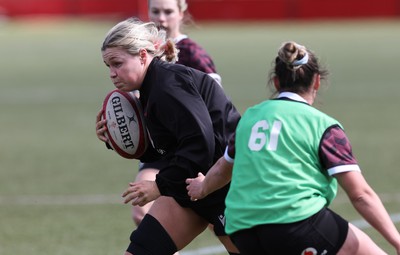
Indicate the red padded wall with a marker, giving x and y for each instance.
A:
(212, 9)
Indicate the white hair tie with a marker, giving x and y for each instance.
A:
(302, 61)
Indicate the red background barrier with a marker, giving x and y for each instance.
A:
(292, 9)
(211, 9)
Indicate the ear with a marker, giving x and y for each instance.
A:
(181, 15)
(143, 54)
(317, 81)
(276, 83)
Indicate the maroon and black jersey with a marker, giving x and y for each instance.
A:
(193, 55)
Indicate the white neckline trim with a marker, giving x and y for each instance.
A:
(292, 96)
(179, 38)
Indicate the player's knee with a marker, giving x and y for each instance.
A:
(137, 218)
(151, 238)
(138, 214)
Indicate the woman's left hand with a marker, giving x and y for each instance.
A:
(140, 193)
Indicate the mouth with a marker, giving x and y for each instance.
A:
(161, 27)
(119, 85)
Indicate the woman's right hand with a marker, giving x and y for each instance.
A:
(195, 187)
(101, 127)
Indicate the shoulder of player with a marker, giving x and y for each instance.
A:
(189, 44)
(173, 74)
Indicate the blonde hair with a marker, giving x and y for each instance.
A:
(182, 5)
(133, 35)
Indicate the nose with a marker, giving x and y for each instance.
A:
(113, 73)
(161, 17)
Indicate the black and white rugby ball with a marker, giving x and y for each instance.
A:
(126, 128)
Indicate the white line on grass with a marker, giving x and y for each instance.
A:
(116, 199)
(61, 200)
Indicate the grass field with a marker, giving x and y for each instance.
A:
(60, 188)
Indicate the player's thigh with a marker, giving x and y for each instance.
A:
(147, 174)
(182, 224)
(357, 242)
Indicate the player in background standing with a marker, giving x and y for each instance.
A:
(173, 16)
(288, 158)
(189, 120)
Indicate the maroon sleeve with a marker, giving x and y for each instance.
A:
(231, 147)
(193, 55)
(335, 149)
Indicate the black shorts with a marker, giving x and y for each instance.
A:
(211, 208)
(322, 233)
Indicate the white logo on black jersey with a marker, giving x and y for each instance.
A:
(222, 219)
(161, 151)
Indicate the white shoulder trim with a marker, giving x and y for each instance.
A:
(216, 77)
(226, 156)
(343, 168)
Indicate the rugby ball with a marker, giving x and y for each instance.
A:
(126, 128)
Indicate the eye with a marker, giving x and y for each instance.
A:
(168, 12)
(155, 11)
(115, 61)
(116, 64)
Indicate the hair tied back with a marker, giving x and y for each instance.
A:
(293, 54)
(301, 61)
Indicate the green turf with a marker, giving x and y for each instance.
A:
(53, 81)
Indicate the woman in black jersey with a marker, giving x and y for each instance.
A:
(189, 120)
(172, 16)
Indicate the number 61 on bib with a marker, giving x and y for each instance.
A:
(259, 134)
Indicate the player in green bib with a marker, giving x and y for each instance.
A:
(288, 160)
(282, 153)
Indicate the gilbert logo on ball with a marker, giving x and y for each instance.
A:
(126, 129)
